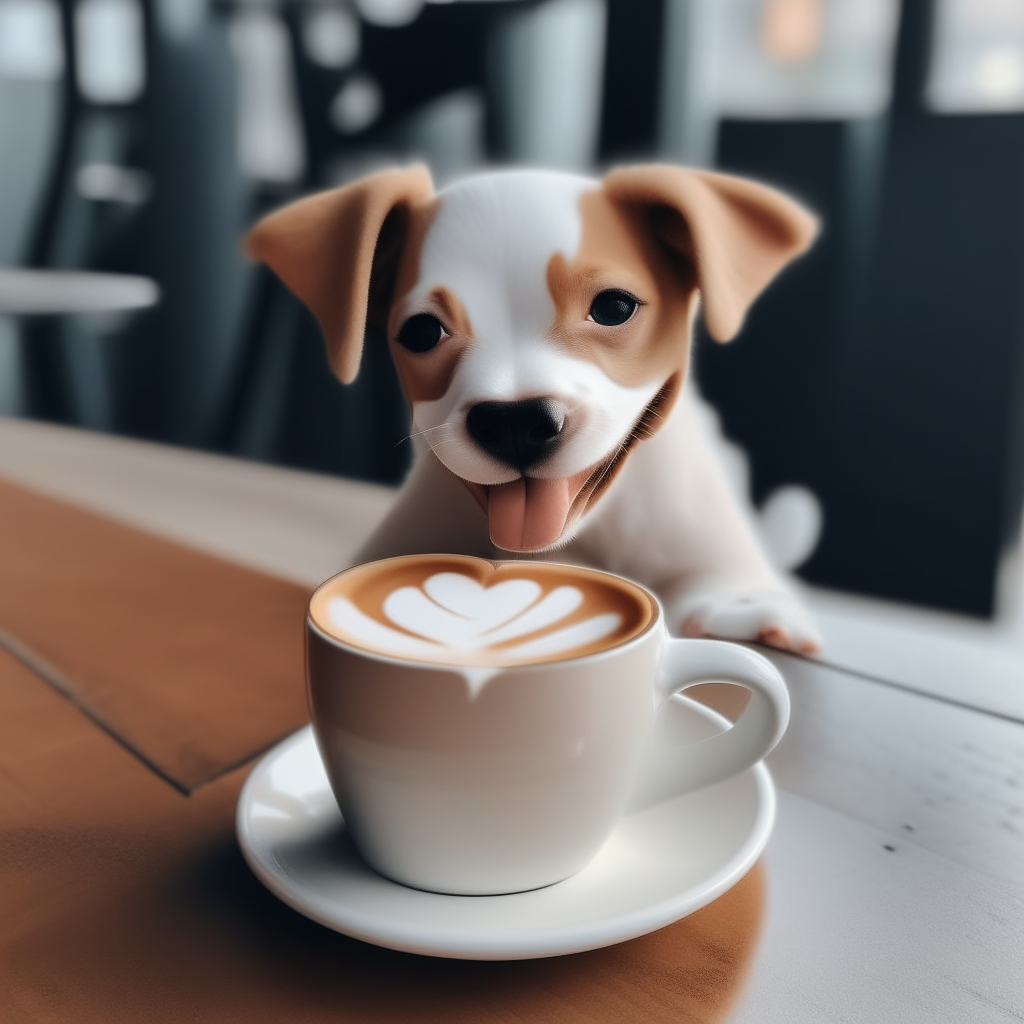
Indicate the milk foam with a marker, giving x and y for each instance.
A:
(455, 616)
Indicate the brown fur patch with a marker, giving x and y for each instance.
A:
(619, 249)
(426, 376)
(604, 476)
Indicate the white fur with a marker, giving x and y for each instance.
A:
(669, 521)
(490, 244)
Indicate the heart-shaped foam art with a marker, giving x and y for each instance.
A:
(455, 610)
(452, 615)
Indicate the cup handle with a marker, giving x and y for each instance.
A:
(679, 769)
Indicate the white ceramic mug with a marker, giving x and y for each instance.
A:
(454, 784)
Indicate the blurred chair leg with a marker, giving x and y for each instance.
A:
(11, 396)
(548, 69)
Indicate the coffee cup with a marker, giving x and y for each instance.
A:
(483, 724)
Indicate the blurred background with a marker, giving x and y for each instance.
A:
(876, 393)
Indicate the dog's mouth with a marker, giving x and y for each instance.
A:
(532, 514)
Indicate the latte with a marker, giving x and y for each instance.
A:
(457, 610)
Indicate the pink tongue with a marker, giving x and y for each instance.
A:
(527, 514)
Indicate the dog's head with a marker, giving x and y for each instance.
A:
(540, 322)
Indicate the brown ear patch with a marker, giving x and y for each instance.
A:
(394, 235)
(398, 256)
(337, 252)
(737, 234)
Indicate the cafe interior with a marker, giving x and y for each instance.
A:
(173, 437)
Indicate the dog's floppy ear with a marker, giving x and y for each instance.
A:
(739, 234)
(338, 250)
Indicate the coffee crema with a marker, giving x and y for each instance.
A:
(460, 610)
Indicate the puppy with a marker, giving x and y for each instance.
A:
(541, 324)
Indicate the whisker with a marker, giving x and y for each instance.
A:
(420, 433)
(425, 430)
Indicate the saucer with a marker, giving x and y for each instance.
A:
(659, 864)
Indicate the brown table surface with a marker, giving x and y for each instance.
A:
(139, 679)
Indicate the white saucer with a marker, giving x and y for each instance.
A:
(658, 866)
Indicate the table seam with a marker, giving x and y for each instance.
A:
(61, 682)
(893, 685)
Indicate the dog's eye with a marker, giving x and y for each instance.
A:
(420, 333)
(612, 307)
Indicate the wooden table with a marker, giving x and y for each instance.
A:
(896, 871)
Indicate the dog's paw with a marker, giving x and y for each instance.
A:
(766, 614)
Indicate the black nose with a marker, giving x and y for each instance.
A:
(516, 433)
